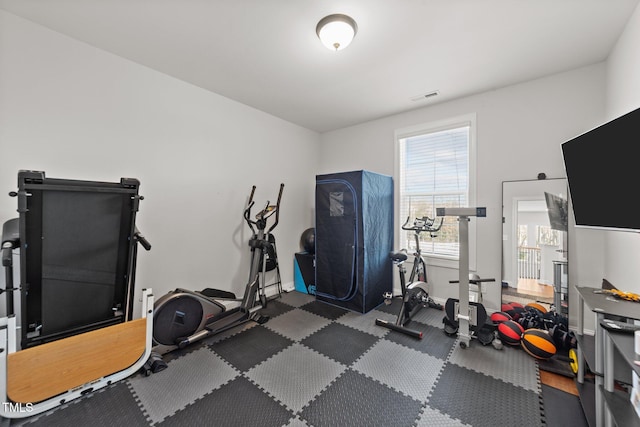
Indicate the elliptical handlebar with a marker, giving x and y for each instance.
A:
(277, 209)
(247, 210)
(251, 202)
(423, 224)
(265, 213)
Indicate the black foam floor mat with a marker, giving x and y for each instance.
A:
(313, 364)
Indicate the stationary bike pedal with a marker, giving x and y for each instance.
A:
(388, 297)
(262, 319)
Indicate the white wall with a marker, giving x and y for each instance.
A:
(623, 95)
(78, 112)
(519, 132)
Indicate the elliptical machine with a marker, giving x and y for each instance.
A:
(415, 295)
(183, 317)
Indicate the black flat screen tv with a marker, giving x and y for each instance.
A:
(603, 173)
(558, 211)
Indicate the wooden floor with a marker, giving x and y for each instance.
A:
(560, 382)
(532, 287)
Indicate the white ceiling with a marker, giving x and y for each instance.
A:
(265, 53)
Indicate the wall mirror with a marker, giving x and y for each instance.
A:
(534, 243)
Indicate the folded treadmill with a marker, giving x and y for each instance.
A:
(68, 328)
(77, 254)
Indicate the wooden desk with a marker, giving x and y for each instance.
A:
(605, 398)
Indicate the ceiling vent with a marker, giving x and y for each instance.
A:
(424, 96)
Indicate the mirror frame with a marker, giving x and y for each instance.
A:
(535, 185)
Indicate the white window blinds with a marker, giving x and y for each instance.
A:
(434, 172)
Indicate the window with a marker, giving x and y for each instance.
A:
(547, 236)
(523, 235)
(434, 166)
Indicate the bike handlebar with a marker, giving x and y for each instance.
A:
(423, 224)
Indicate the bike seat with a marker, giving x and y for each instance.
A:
(398, 256)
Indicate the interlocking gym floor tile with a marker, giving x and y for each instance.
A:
(341, 343)
(313, 365)
(367, 322)
(114, 405)
(180, 352)
(433, 418)
(276, 307)
(426, 315)
(250, 347)
(222, 408)
(393, 308)
(563, 409)
(297, 324)
(185, 380)
(430, 316)
(481, 400)
(296, 299)
(297, 422)
(323, 309)
(220, 336)
(342, 404)
(404, 369)
(295, 375)
(511, 364)
(434, 341)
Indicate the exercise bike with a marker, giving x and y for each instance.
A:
(183, 316)
(415, 295)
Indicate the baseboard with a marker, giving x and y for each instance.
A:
(288, 287)
(272, 291)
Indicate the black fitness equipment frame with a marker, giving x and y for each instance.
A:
(463, 318)
(69, 328)
(415, 294)
(78, 251)
(183, 316)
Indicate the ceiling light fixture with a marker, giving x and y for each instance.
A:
(336, 31)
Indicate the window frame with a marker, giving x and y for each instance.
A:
(431, 127)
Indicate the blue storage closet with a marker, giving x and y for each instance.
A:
(354, 235)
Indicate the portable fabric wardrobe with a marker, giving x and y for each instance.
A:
(354, 236)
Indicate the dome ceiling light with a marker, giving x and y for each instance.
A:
(336, 31)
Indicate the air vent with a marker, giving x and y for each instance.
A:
(424, 96)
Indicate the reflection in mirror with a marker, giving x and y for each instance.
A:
(534, 243)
